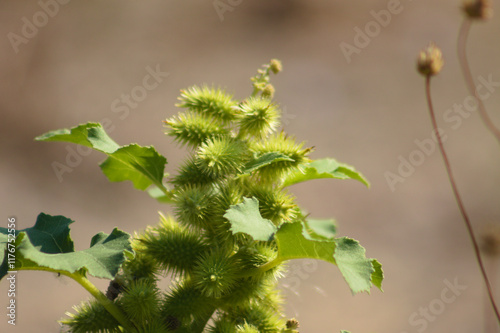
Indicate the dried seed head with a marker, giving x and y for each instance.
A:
(478, 9)
(491, 241)
(430, 60)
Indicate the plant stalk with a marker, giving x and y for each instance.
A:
(459, 199)
(108, 305)
(464, 65)
(261, 269)
(199, 325)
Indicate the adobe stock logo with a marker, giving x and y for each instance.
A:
(225, 6)
(40, 19)
(138, 93)
(425, 315)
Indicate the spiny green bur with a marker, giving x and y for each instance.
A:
(235, 225)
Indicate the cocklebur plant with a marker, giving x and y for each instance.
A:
(234, 227)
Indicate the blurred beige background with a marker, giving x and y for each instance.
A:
(367, 112)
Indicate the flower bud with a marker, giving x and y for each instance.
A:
(430, 60)
(268, 91)
(275, 66)
(292, 324)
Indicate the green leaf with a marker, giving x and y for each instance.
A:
(354, 266)
(295, 242)
(378, 274)
(141, 165)
(48, 246)
(90, 135)
(245, 217)
(50, 234)
(263, 160)
(324, 168)
(156, 193)
(320, 229)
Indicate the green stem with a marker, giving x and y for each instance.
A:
(199, 325)
(469, 81)
(259, 78)
(255, 92)
(459, 199)
(163, 189)
(261, 269)
(112, 308)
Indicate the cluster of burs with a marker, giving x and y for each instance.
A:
(217, 285)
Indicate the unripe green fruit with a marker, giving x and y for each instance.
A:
(222, 156)
(209, 101)
(260, 116)
(141, 267)
(280, 143)
(222, 325)
(193, 129)
(245, 328)
(156, 325)
(193, 206)
(174, 248)
(215, 273)
(184, 301)
(191, 174)
(275, 205)
(257, 315)
(228, 193)
(91, 317)
(141, 300)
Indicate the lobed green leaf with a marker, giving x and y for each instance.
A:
(312, 239)
(324, 168)
(90, 135)
(294, 242)
(354, 266)
(48, 246)
(143, 166)
(321, 228)
(245, 217)
(50, 234)
(378, 274)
